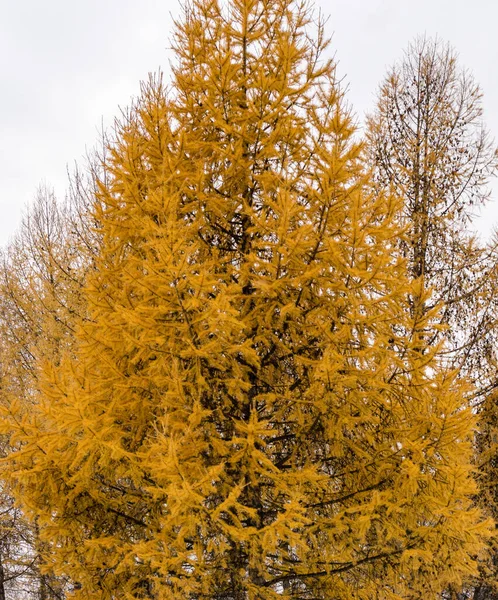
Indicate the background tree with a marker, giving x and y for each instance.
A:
(244, 410)
(41, 275)
(426, 140)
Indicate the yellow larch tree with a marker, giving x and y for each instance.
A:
(249, 409)
(41, 276)
(426, 138)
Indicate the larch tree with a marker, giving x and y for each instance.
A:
(23, 311)
(41, 276)
(426, 140)
(249, 409)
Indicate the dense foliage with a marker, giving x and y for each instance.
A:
(224, 376)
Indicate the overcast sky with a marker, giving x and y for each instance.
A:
(66, 67)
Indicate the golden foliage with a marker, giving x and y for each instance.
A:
(248, 409)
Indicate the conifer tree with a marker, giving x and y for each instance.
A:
(37, 302)
(248, 409)
(41, 276)
(426, 139)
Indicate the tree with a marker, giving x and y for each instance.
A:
(40, 284)
(426, 139)
(248, 407)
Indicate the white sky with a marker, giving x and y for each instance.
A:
(67, 66)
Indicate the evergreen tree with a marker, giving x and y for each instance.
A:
(248, 408)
